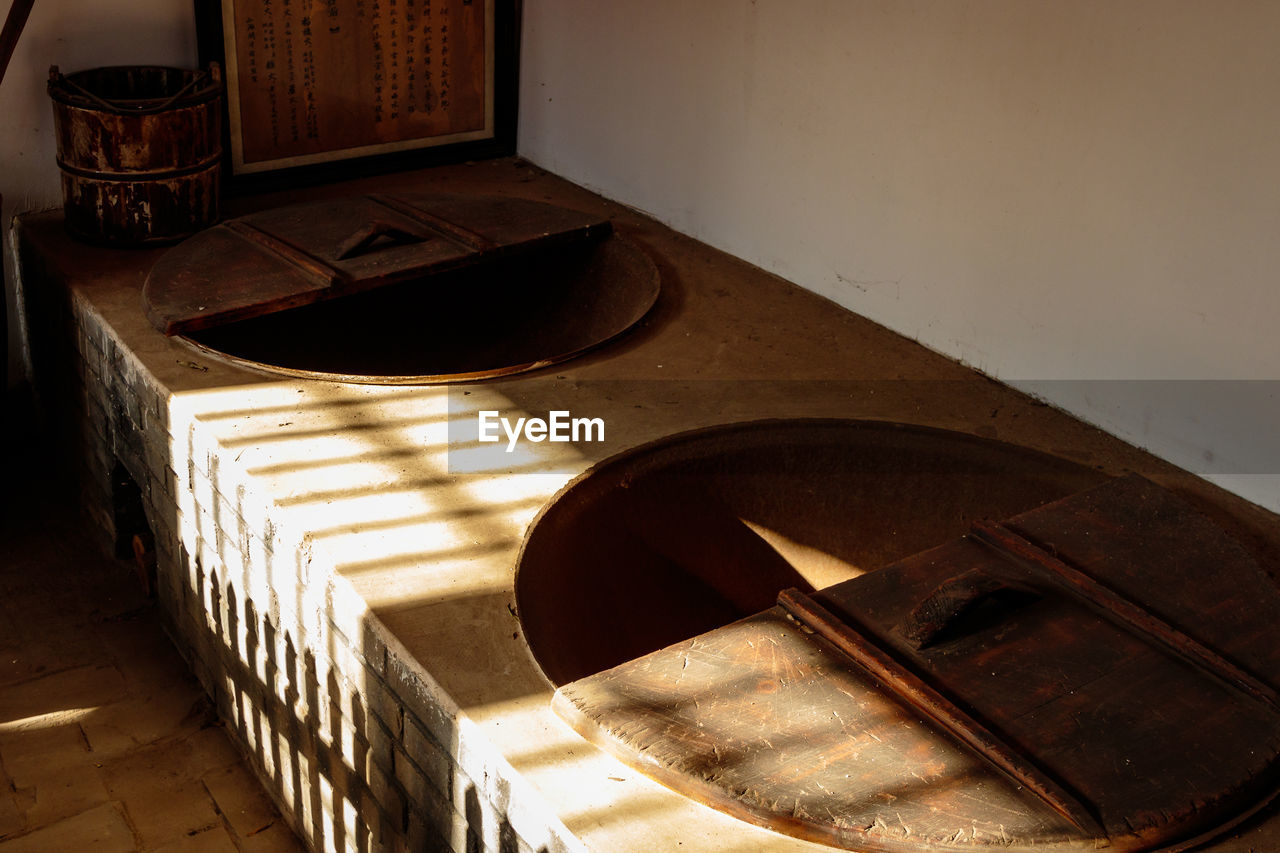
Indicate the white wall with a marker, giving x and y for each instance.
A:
(74, 35)
(1045, 189)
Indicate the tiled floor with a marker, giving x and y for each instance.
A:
(107, 743)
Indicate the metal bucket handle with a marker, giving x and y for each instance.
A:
(214, 70)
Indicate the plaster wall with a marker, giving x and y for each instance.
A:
(1079, 198)
(74, 35)
(1075, 197)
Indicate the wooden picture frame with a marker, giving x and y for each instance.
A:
(330, 89)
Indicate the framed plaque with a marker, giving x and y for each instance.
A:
(339, 87)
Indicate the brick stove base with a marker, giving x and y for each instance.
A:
(361, 750)
(346, 594)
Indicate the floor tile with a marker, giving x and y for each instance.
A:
(107, 742)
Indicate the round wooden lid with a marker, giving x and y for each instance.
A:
(408, 288)
(1095, 673)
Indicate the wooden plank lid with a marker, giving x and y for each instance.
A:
(1095, 673)
(301, 254)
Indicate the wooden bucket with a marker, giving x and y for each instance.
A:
(139, 148)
